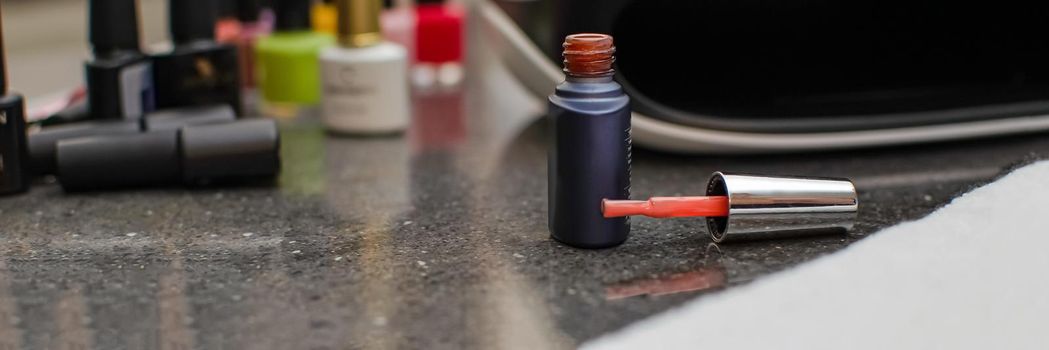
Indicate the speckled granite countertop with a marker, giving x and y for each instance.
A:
(433, 240)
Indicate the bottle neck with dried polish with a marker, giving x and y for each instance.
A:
(589, 58)
(588, 67)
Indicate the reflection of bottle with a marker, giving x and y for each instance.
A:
(438, 122)
(198, 71)
(589, 157)
(287, 59)
(438, 44)
(365, 78)
(13, 151)
(119, 78)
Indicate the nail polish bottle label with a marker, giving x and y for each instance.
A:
(136, 89)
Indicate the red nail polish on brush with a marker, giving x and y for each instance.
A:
(739, 207)
(667, 207)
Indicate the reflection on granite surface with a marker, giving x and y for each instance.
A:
(434, 239)
(692, 281)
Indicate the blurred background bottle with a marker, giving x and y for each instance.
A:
(438, 44)
(240, 25)
(198, 70)
(120, 77)
(287, 70)
(324, 16)
(365, 77)
(398, 24)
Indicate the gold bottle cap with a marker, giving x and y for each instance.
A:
(359, 22)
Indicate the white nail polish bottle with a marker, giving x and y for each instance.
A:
(364, 78)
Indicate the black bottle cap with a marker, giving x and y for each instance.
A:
(242, 149)
(192, 20)
(292, 15)
(42, 144)
(248, 10)
(105, 162)
(113, 26)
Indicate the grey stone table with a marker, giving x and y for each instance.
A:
(435, 239)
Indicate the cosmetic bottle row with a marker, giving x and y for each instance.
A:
(142, 108)
(431, 31)
(239, 52)
(123, 82)
(155, 119)
(352, 61)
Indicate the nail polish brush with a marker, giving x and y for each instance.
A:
(743, 207)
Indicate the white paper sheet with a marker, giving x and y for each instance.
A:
(972, 275)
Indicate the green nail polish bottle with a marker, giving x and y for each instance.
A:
(286, 61)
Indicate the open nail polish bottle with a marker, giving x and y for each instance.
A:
(590, 145)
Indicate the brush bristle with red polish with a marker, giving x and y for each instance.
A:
(667, 207)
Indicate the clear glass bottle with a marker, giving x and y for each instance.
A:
(364, 78)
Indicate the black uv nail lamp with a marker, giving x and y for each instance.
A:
(748, 76)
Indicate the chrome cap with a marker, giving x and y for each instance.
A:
(762, 207)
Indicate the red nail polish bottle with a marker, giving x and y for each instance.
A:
(438, 44)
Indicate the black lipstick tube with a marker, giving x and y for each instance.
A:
(193, 155)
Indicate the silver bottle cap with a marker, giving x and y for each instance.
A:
(762, 207)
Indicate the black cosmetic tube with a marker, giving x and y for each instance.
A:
(193, 155)
(42, 144)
